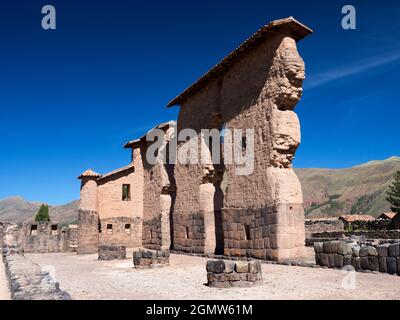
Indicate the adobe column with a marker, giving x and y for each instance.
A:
(88, 217)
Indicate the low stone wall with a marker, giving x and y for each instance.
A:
(368, 234)
(27, 280)
(323, 225)
(145, 258)
(361, 256)
(226, 274)
(112, 252)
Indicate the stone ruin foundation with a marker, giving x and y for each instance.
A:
(145, 258)
(226, 274)
(362, 256)
(111, 252)
(27, 280)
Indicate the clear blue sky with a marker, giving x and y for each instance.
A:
(70, 98)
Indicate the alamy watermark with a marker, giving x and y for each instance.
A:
(207, 147)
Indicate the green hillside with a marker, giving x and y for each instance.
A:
(360, 189)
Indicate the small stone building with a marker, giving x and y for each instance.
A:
(209, 207)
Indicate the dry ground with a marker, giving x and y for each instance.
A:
(4, 291)
(84, 277)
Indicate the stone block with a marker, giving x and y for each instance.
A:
(368, 251)
(394, 250)
(318, 247)
(344, 248)
(338, 261)
(324, 259)
(334, 246)
(373, 263)
(347, 260)
(229, 266)
(383, 250)
(331, 260)
(398, 265)
(242, 267)
(232, 276)
(215, 266)
(364, 263)
(391, 265)
(255, 266)
(355, 262)
(356, 251)
(383, 264)
(326, 246)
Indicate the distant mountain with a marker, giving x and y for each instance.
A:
(17, 209)
(360, 189)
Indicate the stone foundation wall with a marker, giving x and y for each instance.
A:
(145, 258)
(189, 232)
(88, 232)
(112, 252)
(384, 258)
(265, 233)
(226, 274)
(27, 280)
(121, 231)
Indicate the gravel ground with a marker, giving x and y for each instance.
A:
(84, 277)
(4, 291)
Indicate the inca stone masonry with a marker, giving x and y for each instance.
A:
(202, 208)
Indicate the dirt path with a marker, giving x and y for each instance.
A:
(4, 291)
(84, 277)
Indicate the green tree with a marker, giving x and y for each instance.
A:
(394, 193)
(43, 214)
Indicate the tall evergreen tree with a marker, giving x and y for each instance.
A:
(394, 193)
(43, 214)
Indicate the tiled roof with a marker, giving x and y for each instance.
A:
(288, 26)
(387, 215)
(89, 174)
(356, 217)
(130, 166)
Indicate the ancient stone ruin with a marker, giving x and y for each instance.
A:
(226, 274)
(145, 258)
(111, 252)
(360, 255)
(211, 208)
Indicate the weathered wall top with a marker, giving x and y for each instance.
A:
(288, 26)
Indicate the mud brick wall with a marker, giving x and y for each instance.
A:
(88, 232)
(109, 252)
(226, 274)
(384, 258)
(121, 231)
(158, 196)
(145, 258)
(259, 92)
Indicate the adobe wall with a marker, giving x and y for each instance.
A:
(125, 217)
(259, 92)
(158, 201)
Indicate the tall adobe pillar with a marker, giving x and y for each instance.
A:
(88, 217)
